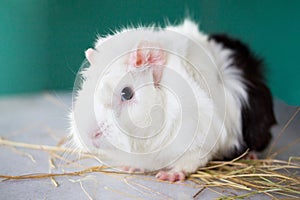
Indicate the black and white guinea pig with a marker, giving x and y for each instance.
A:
(170, 99)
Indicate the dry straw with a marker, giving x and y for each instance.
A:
(261, 176)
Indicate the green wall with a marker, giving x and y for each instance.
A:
(23, 46)
(42, 41)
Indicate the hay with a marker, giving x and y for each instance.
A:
(262, 176)
(268, 176)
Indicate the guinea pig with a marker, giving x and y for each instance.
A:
(170, 100)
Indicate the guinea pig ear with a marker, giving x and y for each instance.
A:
(90, 55)
(149, 54)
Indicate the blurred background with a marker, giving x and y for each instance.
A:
(42, 42)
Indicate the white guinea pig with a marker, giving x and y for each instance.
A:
(170, 99)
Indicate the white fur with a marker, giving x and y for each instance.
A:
(218, 107)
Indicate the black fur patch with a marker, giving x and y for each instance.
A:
(258, 116)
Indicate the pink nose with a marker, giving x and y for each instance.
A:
(95, 139)
(97, 135)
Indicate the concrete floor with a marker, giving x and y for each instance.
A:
(42, 119)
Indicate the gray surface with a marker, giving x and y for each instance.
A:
(42, 119)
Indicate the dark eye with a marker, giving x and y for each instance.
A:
(126, 94)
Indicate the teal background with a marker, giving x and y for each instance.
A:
(42, 41)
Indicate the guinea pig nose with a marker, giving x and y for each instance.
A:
(97, 135)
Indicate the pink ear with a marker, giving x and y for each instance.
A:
(149, 54)
(89, 54)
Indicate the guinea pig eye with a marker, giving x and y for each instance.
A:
(126, 94)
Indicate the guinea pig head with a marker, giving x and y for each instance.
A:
(129, 102)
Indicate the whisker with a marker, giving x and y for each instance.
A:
(283, 130)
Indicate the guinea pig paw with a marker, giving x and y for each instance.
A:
(171, 176)
(252, 155)
(132, 170)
